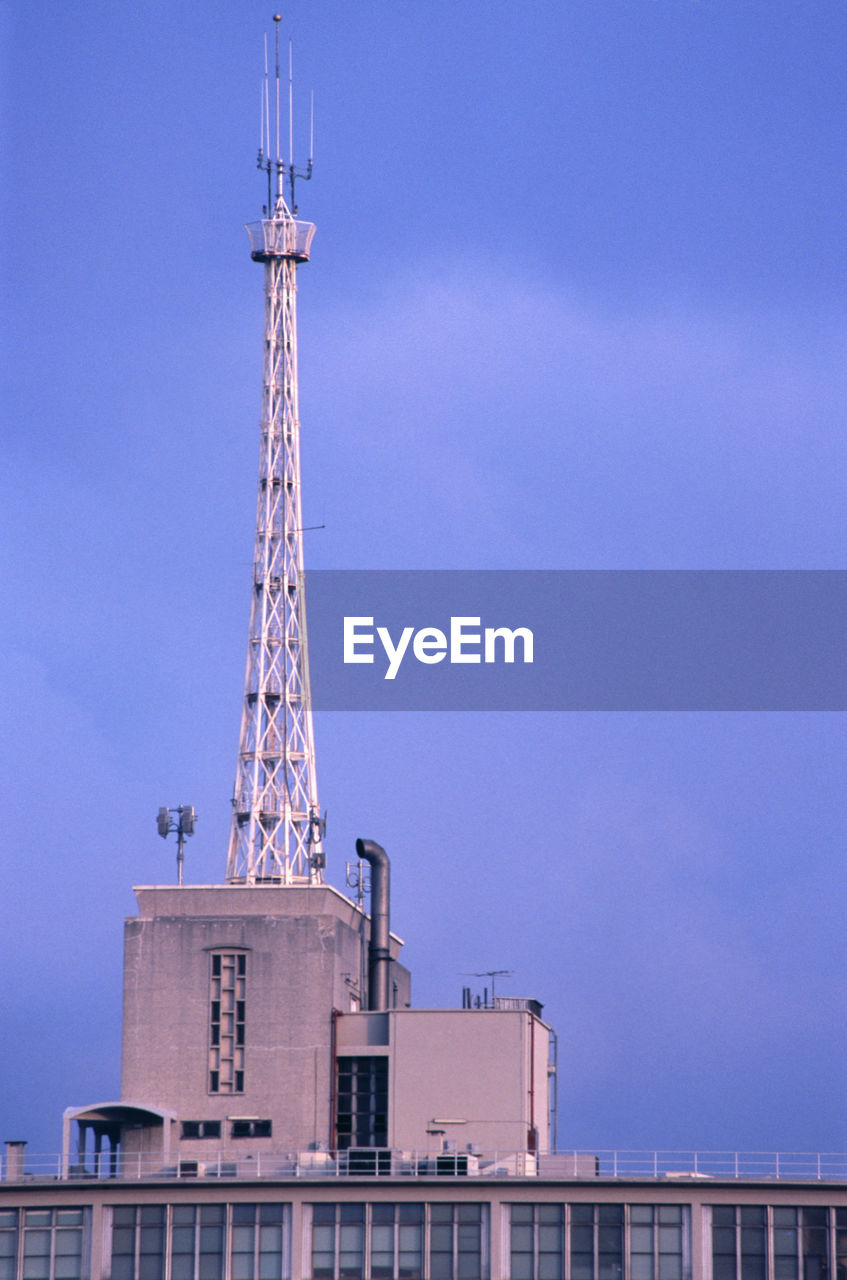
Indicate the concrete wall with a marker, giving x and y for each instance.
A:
(303, 948)
(473, 1077)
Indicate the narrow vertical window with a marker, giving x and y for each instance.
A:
(151, 1242)
(123, 1242)
(441, 1251)
(610, 1241)
(362, 1107)
(210, 1255)
(351, 1242)
(227, 1021)
(582, 1242)
(183, 1241)
(785, 1244)
(840, 1244)
(323, 1241)
(815, 1243)
(739, 1242)
(642, 1243)
(67, 1245)
(522, 1241)
(8, 1243)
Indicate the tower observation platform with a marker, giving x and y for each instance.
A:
(280, 238)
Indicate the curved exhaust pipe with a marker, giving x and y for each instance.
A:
(379, 956)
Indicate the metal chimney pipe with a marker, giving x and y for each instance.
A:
(379, 956)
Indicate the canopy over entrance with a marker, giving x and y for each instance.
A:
(101, 1122)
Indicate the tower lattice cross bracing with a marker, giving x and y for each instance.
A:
(276, 826)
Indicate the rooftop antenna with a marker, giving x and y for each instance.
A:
(264, 160)
(290, 105)
(182, 820)
(277, 828)
(279, 170)
(493, 974)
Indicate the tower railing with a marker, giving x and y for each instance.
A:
(280, 238)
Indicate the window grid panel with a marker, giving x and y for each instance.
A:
(599, 1242)
(385, 1241)
(201, 1242)
(227, 1021)
(44, 1244)
(362, 1102)
(778, 1242)
(840, 1243)
(815, 1235)
(8, 1244)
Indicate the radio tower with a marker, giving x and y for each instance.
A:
(276, 825)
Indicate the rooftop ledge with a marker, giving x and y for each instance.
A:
(669, 1166)
(250, 899)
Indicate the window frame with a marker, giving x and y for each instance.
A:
(594, 1221)
(17, 1230)
(361, 1214)
(227, 1032)
(834, 1227)
(233, 1218)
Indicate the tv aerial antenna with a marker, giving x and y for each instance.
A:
(270, 159)
(493, 974)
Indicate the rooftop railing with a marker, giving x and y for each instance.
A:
(381, 1163)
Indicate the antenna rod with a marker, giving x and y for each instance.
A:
(291, 106)
(279, 191)
(266, 129)
(267, 104)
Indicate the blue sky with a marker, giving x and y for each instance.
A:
(576, 301)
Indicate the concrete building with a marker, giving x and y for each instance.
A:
(272, 1126)
(250, 1028)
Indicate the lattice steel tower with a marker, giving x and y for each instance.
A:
(276, 826)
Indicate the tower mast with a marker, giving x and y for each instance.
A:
(276, 827)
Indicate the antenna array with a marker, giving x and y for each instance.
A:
(270, 159)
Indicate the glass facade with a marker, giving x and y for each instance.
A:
(419, 1239)
(599, 1242)
(386, 1241)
